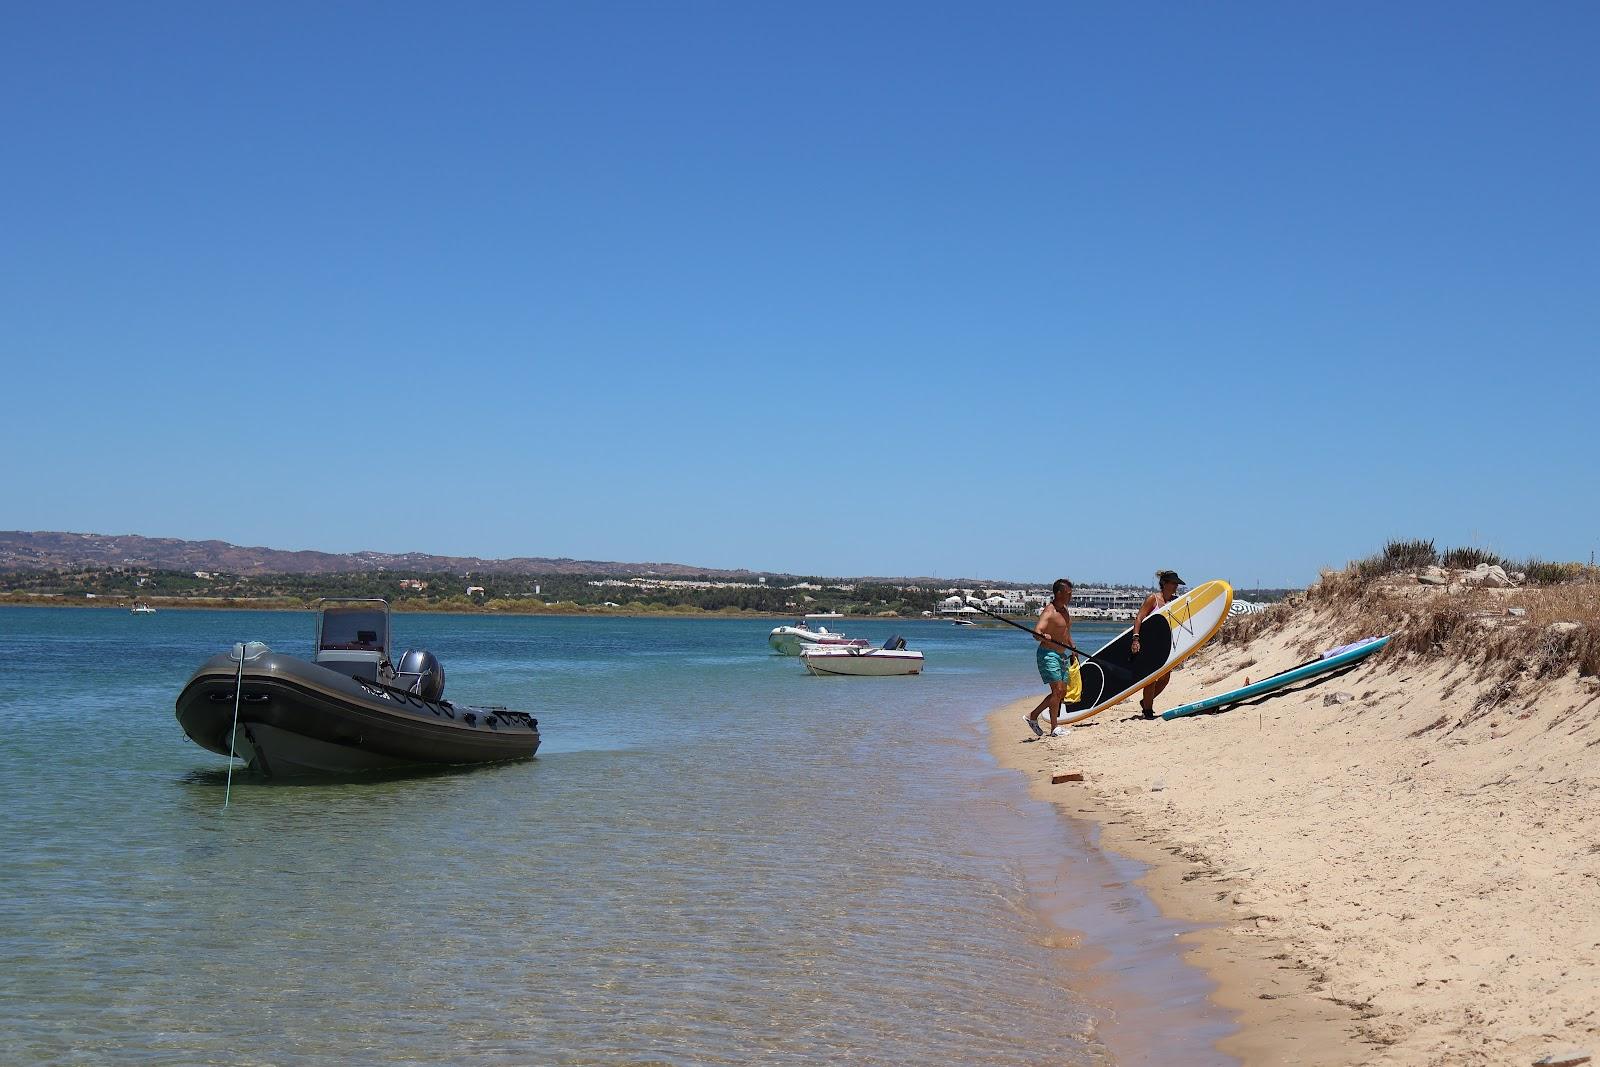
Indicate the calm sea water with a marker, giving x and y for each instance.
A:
(714, 859)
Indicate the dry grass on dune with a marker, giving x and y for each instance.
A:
(1243, 629)
(1565, 621)
(1539, 629)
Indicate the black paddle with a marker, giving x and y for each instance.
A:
(1051, 641)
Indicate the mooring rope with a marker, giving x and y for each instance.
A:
(238, 691)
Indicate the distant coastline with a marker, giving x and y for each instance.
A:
(94, 570)
(409, 608)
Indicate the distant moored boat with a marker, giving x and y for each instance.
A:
(892, 659)
(793, 640)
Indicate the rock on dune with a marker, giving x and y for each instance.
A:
(1493, 576)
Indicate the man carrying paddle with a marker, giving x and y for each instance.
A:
(1058, 666)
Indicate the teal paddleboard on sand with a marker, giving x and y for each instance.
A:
(1328, 661)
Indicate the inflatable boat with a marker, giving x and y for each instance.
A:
(794, 640)
(348, 709)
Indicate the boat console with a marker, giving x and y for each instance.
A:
(353, 639)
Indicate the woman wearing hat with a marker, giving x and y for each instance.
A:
(1168, 582)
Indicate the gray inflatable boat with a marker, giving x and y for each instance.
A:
(348, 710)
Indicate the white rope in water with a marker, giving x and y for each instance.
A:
(238, 691)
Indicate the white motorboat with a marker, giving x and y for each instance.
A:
(893, 658)
(793, 640)
(140, 608)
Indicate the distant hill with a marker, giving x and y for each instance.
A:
(50, 550)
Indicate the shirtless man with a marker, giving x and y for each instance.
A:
(1055, 662)
(1169, 582)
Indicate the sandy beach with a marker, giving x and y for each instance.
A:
(1398, 865)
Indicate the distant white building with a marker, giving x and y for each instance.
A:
(957, 605)
(1109, 599)
(475, 590)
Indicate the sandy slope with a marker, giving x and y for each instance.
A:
(1407, 878)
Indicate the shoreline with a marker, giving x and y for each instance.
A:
(1275, 1019)
(161, 605)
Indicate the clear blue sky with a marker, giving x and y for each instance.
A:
(996, 290)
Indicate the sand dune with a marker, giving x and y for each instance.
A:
(1409, 877)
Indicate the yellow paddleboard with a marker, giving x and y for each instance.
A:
(1166, 638)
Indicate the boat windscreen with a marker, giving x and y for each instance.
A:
(354, 629)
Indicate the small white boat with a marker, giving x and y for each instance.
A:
(893, 658)
(141, 609)
(793, 640)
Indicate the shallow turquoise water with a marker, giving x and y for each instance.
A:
(714, 859)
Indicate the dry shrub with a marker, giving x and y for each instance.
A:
(1397, 556)
(1243, 629)
(1566, 621)
(1560, 632)
(1464, 559)
(1434, 626)
(1362, 608)
(1543, 572)
(1336, 586)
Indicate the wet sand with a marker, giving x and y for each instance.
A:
(1253, 1008)
(1151, 1005)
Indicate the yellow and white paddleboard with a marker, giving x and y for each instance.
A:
(1166, 638)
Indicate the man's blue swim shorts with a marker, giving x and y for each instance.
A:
(1053, 666)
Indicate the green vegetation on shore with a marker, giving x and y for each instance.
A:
(564, 594)
(493, 593)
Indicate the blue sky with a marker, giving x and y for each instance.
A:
(1006, 291)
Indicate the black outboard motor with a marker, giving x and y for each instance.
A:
(425, 667)
(894, 644)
